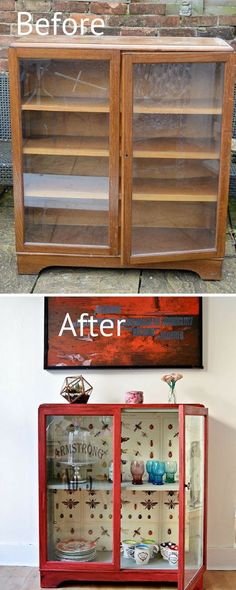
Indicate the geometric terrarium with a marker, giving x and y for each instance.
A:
(76, 390)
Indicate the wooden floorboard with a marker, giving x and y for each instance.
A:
(27, 578)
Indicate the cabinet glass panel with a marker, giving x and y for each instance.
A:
(65, 118)
(150, 489)
(79, 493)
(177, 110)
(194, 496)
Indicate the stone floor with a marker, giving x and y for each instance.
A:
(80, 280)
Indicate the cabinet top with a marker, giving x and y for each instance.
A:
(125, 43)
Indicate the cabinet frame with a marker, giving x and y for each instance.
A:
(54, 572)
(123, 52)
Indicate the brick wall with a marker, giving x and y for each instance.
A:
(133, 17)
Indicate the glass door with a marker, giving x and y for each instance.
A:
(150, 491)
(195, 484)
(171, 155)
(70, 130)
(80, 490)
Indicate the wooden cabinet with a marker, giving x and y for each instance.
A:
(121, 175)
(88, 495)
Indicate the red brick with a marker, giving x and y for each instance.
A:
(108, 7)
(223, 32)
(153, 20)
(5, 41)
(64, 6)
(7, 5)
(202, 21)
(33, 5)
(139, 31)
(5, 29)
(89, 17)
(184, 32)
(8, 17)
(147, 8)
(3, 65)
(227, 20)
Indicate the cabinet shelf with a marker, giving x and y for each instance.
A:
(192, 107)
(195, 189)
(175, 148)
(64, 191)
(126, 485)
(69, 105)
(71, 146)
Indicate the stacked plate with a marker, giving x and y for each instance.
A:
(76, 550)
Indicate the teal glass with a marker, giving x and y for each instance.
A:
(170, 470)
(149, 467)
(158, 471)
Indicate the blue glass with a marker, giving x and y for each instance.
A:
(158, 471)
(149, 467)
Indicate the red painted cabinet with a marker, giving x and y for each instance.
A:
(93, 518)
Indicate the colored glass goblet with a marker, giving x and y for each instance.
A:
(137, 470)
(170, 469)
(158, 472)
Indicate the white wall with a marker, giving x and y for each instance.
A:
(24, 385)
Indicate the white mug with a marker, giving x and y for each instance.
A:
(142, 554)
(154, 548)
(128, 548)
(173, 557)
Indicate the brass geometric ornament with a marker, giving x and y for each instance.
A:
(76, 390)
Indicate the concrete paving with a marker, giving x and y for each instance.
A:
(80, 280)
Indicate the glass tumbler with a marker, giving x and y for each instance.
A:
(170, 469)
(137, 470)
(158, 471)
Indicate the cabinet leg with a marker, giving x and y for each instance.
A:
(199, 585)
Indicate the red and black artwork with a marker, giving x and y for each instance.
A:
(123, 331)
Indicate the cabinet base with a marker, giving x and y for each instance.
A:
(30, 263)
(52, 579)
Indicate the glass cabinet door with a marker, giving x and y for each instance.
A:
(173, 141)
(150, 490)
(69, 180)
(195, 490)
(79, 456)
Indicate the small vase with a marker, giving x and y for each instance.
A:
(137, 470)
(172, 396)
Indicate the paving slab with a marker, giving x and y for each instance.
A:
(10, 281)
(87, 281)
(7, 230)
(160, 282)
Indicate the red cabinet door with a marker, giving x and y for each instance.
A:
(193, 494)
(79, 505)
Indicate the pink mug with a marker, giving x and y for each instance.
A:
(134, 397)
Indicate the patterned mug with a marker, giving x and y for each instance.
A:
(128, 547)
(142, 554)
(154, 548)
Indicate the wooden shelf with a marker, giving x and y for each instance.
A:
(67, 145)
(192, 107)
(195, 189)
(73, 105)
(164, 240)
(175, 148)
(50, 190)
